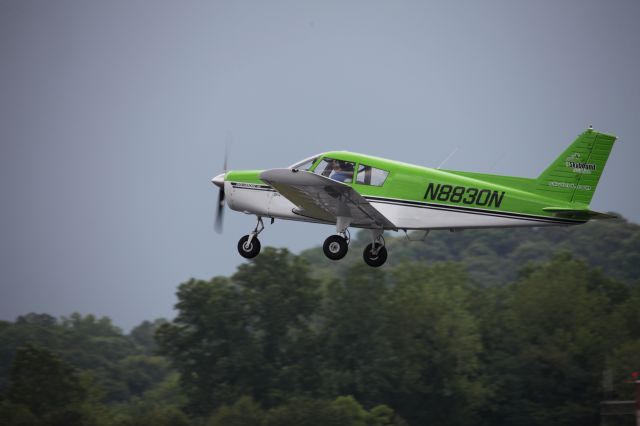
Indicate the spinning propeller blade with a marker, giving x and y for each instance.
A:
(219, 182)
(220, 211)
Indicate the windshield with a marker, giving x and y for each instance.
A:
(304, 164)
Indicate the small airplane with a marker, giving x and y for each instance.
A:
(347, 189)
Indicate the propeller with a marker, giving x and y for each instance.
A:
(219, 182)
(219, 211)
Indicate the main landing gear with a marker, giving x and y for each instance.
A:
(249, 245)
(336, 246)
(375, 253)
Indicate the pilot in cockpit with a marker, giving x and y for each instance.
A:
(342, 171)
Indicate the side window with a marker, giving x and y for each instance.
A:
(339, 170)
(368, 175)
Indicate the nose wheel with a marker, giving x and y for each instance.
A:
(249, 245)
(335, 247)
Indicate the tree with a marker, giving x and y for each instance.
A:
(309, 412)
(436, 370)
(141, 372)
(144, 335)
(156, 416)
(245, 412)
(16, 415)
(210, 344)
(43, 383)
(552, 343)
(356, 353)
(243, 336)
(281, 300)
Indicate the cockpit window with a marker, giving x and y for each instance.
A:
(304, 164)
(368, 175)
(339, 170)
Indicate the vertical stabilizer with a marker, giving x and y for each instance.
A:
(574, 175)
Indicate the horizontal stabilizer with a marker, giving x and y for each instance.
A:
(578, 213)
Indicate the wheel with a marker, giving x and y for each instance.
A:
(335, 247)
(249, 251)
(378, 259)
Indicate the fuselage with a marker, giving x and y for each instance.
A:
(410, 196)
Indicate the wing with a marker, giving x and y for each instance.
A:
(321, 198)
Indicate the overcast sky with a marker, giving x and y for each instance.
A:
(114, 116)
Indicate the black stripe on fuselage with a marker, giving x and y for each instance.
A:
(252, 186)
(471, 210)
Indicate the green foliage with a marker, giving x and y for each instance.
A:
(495, 256)
(436, 345)
(45, 385)
(119, 380)
(440, 343)
(548, 341)
(16, 415)
(356, 355)
(144, 335)
(245, 412)
(343, 411)
(497, 327)
(243, 336)
(157, 416)
(309, 412)
(140, 372)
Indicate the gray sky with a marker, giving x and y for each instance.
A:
(114, 116)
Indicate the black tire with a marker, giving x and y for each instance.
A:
(252, 250)
(378, 259)
(335, 247)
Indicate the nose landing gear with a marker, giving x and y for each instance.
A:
(249, 245)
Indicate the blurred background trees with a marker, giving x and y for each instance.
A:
(494, 327)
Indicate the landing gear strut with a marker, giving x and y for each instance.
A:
(249, 245)
(375, 253)
(335, 247)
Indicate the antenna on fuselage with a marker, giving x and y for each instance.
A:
(448, 157)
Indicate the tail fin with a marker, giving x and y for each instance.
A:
(574, 175)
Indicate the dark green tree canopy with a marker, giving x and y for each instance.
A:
(503, 327)
(41, 381)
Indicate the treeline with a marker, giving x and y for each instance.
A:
(82, 370)
(496, 256)
(288, 342)
(422, 340)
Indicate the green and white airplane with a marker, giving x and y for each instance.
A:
(346, 189)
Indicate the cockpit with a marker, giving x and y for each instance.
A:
(342, 170)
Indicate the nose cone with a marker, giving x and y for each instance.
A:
(218, 180)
